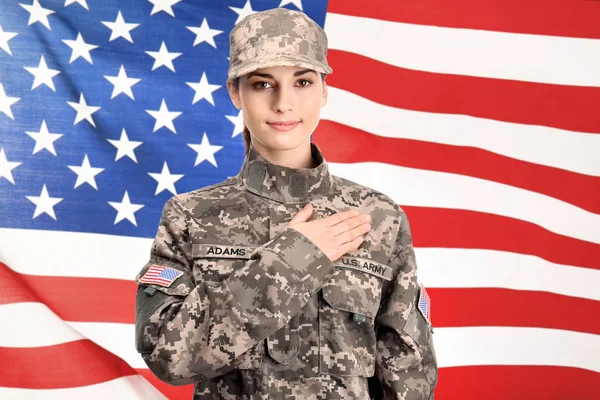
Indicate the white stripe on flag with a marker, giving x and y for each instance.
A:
(128, 387)
(471, 52)
(456, 347)
(423, 188)
(572, 151)
(33, 325)
(476, 268)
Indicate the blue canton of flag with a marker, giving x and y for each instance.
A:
(108, 108)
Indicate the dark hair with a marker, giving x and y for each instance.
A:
(246, 132)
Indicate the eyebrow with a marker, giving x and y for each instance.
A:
(297, 73)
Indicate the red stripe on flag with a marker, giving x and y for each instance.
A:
(560, 106)
(73, 364)
(435, 227)
(464, 307)
(97, 299)
(574, 18)
(344, 144)
(517, 382)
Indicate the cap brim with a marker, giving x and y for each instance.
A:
(279, 59)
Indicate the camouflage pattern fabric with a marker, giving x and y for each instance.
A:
(260, 312)
(277, 36)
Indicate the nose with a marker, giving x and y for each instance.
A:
(283, 100)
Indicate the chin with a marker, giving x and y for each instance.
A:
(283, 141)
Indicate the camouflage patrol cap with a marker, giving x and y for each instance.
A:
(277, 37)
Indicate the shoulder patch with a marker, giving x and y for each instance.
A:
(159, 275)
(424, 304)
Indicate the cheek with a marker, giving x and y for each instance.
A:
(312, 106)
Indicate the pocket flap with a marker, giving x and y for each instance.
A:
(353, 291)
(213, 250)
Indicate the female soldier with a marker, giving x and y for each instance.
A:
(285, 281)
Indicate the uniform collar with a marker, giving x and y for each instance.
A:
(285, 184)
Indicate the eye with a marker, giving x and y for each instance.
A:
(305, 80)
(257, 84)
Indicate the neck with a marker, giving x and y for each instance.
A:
(299, 157)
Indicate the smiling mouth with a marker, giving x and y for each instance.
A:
(283, 126)
(284, 123)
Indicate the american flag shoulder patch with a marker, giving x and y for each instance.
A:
(160, 275)
(424, 304)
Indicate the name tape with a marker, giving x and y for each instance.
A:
(222, 251)
(366, 265)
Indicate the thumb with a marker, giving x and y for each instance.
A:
(303, 215)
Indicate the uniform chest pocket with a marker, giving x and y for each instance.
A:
(346, 317)
(213, 262)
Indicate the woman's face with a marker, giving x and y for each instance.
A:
(280, 94)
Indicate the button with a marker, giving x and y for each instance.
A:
(358, 318)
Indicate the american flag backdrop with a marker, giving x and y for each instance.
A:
(480, 118)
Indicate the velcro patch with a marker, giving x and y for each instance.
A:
(221, 251)
(424, 304)
(367, 266)
(159, 275)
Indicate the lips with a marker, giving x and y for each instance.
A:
(283, 125)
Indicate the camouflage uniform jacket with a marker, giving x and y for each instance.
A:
(258, 311)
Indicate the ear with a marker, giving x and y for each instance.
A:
(325, 94)
(234, 94)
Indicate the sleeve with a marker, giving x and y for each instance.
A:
(184, 330)
(406, 364)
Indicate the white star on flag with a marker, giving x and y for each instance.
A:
(37, 13)
(85, 173)
(83, 110)
(44, 139)
(204, 34)
(164, 117)
(297, 3)
(43, 75)
(44, 203)
(120, 28)
(4, 38)
(82, 3)
(238, 123)
(166, 180)
(243, 12)
(80, 48)
(203, 90)
(6, 102)
(6, 167)
(125, 147)
(163, 57)
(125, 209)
(163, 5)
(122, 83)
(205, 151)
